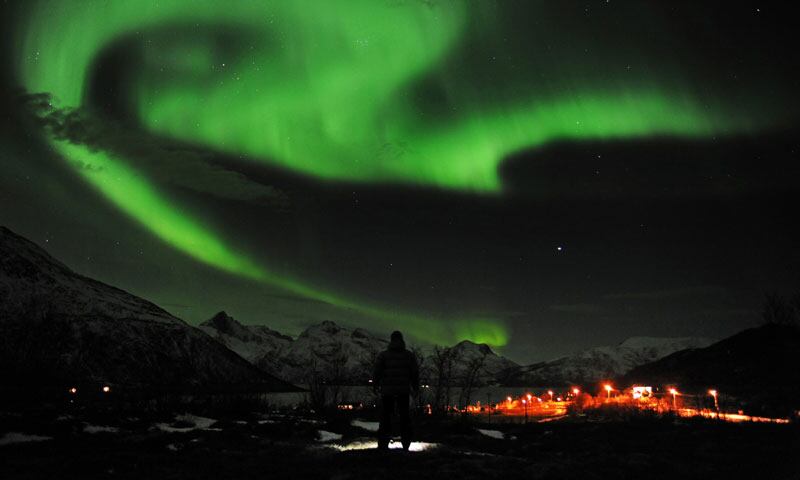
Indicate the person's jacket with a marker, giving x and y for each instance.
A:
(396, 370)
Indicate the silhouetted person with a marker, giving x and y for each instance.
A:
(397, 376)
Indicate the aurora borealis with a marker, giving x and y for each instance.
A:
(239, 140)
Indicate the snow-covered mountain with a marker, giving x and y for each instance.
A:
(600, 363)
(326, 349)
(61, 328)
(494, 367)
(332, 351)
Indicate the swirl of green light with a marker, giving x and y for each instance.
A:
(320, 88)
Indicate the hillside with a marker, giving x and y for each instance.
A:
(760, 365)
(60, 328)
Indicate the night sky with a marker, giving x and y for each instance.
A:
(540, 176)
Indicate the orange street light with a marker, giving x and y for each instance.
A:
(713, 393)
(608, 389)
(73, 390)
(674, 393)
(525, 403)
(576, 391)
(106, 389)
(550, 392)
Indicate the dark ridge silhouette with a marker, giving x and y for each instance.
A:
(61, 329)
(761, 366)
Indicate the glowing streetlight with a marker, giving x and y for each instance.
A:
(106, 389)
(550, 392)
(608, 389)
(73, 390)
(713, 393)
(674, 393)
(525, 404)
(576, 391)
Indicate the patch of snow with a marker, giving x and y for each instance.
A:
(325, 436)
(310, 421)
(17, 437)
(172, 447)
(198, 423)
(497, 434)
(373, 445)
(99, 429)
(368, 426)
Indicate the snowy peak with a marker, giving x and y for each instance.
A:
(225, 324)
(599, 363)
(335, 351)
(467, 347)
(661, 342)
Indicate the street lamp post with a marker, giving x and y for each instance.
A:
(550, 392)
(713, 393)
(608, 390)
(674, 394)
(525, 403)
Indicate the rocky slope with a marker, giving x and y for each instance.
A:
(601, 363)
(60, 328)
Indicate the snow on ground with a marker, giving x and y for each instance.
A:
(368, 426)
(197, 423)
(17, 437)
(362, 444)
(325, 436)
(99, 429)
(492, 433)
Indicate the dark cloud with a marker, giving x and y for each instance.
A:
(176, 165)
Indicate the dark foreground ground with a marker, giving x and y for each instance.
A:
(258, 445)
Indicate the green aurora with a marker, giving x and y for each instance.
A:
(330, 90)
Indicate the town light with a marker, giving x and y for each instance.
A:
(674, 392)
(608, 390)
(508, 399)
(73, 390)
(713, 393)
(106, 389)
(576, 391)
(550, 392)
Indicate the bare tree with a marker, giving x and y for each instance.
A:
(325, 380)
(316, 396)
(442, 361)
(471, 378)
(419, 356)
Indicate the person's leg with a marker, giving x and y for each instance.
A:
(405, 420)
(385, 428)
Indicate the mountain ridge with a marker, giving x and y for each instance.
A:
(62, 328)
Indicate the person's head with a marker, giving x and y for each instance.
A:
(396, 336)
